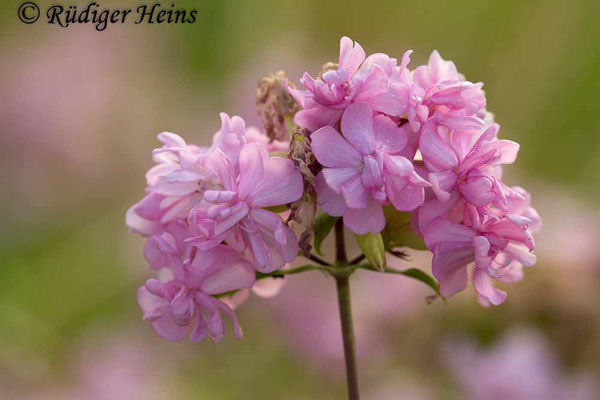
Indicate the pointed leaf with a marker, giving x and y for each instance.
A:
(323, 225)
(423, 277)
(372, 247)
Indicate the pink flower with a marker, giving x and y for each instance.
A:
(364, 169)
(179, 179)
(185, 304)
(325, 99)
(235, 211)
(457, 166)
(492, 243)
(174, 185)
(439, 93)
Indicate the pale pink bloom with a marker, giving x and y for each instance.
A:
(236, 210)
(473, 174)
(179, 179)
(492, 243)
(364, 169)
(325, 99)
(186, 304)
(440, 94)
(175, 184)
(465, 169)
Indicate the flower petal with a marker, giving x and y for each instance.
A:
(357, 127)
(365, 220)
(332, 150)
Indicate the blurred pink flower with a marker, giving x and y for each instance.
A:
(520, 366)
(120, 369)
(307, 312)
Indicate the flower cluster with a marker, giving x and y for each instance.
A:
(423, 142)
(208, 228)
(371, 136)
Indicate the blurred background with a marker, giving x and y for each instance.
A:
(80, 110)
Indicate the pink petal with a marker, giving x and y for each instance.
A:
(390, 138)
(357, 127)
(218, 163)
(251, 160)
(438, 156)
(332, 203)
(450, 256)
(332, 150)
(508, 150)
(481, 247)
(171, 139)
(350, 56)
(317, 117)
(442, 183)
(484, 287)
(433, 208)
(477, 190)
(454, 282)
(354, 192)
(393, 102)
(140, 225)
(411, 197)
(442, 230)
(337, 177)
(375, 84)
(365, 220)
(164, 326)
(281, 183)
(234, 276)
(520, 253)
(371, 174)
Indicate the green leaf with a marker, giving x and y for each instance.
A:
(423, 277)
(323, 225)
(398, 233)
(372, 247)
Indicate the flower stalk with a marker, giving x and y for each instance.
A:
(345, 306)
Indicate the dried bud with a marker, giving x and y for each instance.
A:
(300, 153)
(274, 105)
(303, 211)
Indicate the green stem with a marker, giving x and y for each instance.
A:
(345, 305)
(292, 271)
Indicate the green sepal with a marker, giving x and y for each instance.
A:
(372, 247)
